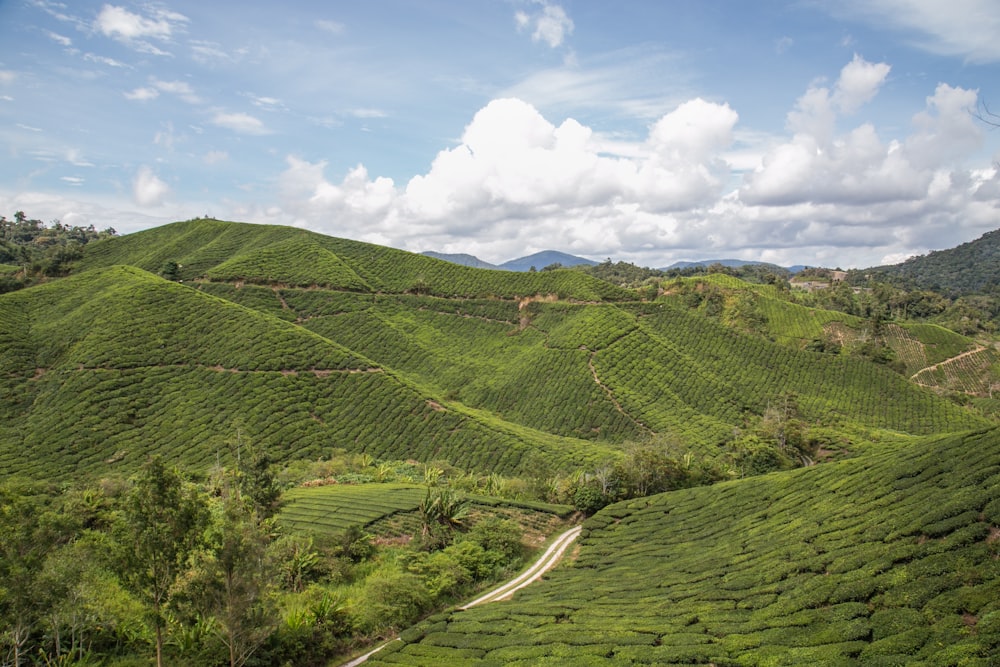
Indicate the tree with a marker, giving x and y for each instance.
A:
(160, 525)
(257, 484)
(233, 579)
(28, 534)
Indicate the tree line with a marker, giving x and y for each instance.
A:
(34, 251)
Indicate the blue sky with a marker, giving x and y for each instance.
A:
(798, 132)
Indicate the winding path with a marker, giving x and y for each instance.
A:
(541, 566)
(547, 561)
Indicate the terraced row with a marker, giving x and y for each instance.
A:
(887, 559)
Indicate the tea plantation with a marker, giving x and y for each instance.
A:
(888, 559)
(304, 344)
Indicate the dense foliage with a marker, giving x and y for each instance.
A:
(31, 251)
(272, 254)
(965, 269)
(208, 574)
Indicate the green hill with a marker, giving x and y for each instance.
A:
(268, 254)
(103, 368)
(488, 370)
(968, 268)
(888, 559)
(610, 372)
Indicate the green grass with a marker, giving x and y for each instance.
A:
(889, 558)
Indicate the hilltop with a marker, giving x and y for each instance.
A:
(964, 269)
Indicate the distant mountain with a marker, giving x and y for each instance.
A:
(969, 267)
(545, 258)
(460, 258)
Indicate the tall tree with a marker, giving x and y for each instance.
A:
(160, 525)
(234, 580)
(28, 533)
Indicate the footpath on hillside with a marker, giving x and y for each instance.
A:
(546, 562)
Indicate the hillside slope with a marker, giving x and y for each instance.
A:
(266, 254)
(330, 351)
(101, 369)
(888, 559)
(611, 372)
(967, 268)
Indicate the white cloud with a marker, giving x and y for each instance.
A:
(816, 111)
(696, 186)
(76, 158)
(7, 76)
(215, 157)
(181, 89)
(120, 23)
(859, 82)
(367, 113)
(858, 168)
(133, 29)
(550, 24)
(148, 189)
(239, 122)
(966, 28)
(634, 82)
(59, 39)
(142, 94)
(104, 60)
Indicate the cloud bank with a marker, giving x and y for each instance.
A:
(516, 183)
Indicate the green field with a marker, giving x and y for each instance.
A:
(337, 507)
(333, 508)
(888, 559)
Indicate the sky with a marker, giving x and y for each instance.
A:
(836, 133)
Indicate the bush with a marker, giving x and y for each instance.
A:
(388, 601)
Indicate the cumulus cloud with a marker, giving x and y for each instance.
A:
(549, 24)
(517, 182)
(241, 123)
(857, 167)
(148, 189)
(816, 112)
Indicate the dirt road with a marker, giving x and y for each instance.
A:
(547, 561)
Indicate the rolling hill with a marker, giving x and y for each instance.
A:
(302, 343)
(540, 260)
(186, 339)
(101, 369)
(268, 254)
